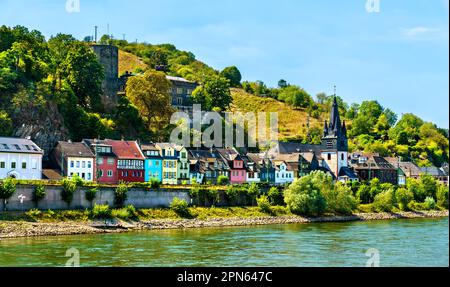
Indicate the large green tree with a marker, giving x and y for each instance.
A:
(213, 93)
(233, 75)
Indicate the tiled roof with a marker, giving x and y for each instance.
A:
(18, 145)
(126, 149)
(433, 171)
(72, 149)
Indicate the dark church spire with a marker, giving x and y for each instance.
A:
(335, 119)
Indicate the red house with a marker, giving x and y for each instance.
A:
(130, 160)
(106, 161)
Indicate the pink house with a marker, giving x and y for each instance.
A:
(238, 170)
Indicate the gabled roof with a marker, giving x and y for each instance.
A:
(347, 172)
(408, 168)
(75, 149)
(433, 171)
(126, 149)
(374, 161)
(19, 145)
(93, 143)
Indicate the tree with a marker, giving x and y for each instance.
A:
(69, 188)
(38, 193)
(85, 75)
(429, 185)
(6, 126)
(91, 194)
(7, 189)
(404, 197)
(340, 199)
(213, 93)
(150, 95)
(276, 196)
(233, 75)
(295, 96)
(253, 192)
(282, 84)
(223, 180)
(442, 196)
(121, 194)
(304, 195)
(385, 201)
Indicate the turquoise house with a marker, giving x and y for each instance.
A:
(153, 162)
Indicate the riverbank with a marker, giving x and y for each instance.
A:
(14, 229)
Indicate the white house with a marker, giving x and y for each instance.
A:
(75, 159)
(283, 174)
(20, 159)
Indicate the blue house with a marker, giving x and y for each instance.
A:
(153, 162)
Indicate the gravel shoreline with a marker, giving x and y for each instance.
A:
(14, 229)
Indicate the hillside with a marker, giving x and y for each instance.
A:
(129, 62)
(292, 122)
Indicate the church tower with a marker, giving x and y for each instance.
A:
(335, 142)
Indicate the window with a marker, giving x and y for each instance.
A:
(110, 173)
(179, 91)
(180, 101)
(83, 164)
(72, 164)
(189, 91)
(2, 164)
(110, 160)
(13, 165)
(342, 156)
(100, 160)
(329, 156)
(24, 165)
(89, 164)
(157, 163)
(78, 164)
(83, 175)
(183, 155)
(100, 173)
(89, 176)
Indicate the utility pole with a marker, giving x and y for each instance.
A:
(96, 29)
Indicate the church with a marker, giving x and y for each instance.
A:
(331, 154)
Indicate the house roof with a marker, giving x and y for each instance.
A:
(19, 145)
(374, 161)
(92, 143)
(408, 168)
(178, 79)
(433, 171)
(347, 172)
(149, 147)
(126, 149)
(290, 147)
(52, 174)
(75, 149)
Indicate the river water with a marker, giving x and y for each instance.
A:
(418, 242)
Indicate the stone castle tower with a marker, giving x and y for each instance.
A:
(335, 142)
(108, 56)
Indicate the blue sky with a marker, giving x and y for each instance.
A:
(398, 56)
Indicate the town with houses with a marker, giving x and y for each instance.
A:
(107, 161)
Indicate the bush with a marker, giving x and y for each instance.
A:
(213, 196)
(180, 207)
(340, 199)
(7, 189)
(223, 180)
(126, 213)
(430, 203)
(121, 194)
(253, 192)
(132, 212)
(91, 194)
(231, 193)
(385, 201)
(416, 188)
(304, 195)
(33, 214)
(69, 188)
(363, 194)
(39, 193)
(264, 204)
(442, 196)
(404, 197)
(155, 183)
(429, 185)
(101, 212)
(276, 196)
(78, 180)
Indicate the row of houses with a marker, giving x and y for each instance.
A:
(112, 161)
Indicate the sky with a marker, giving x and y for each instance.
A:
(396, 52)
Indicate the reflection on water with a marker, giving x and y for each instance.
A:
(422, 242)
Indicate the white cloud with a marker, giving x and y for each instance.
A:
(425, 33)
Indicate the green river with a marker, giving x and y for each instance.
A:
(418, 242)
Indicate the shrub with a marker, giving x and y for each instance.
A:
(340, 199)
(416, 188)
(223, 180)
(404, 197)
(155, 183)
(304, 195)
(213, 196)
(194, 193)
(363, 194)
(33, 214)
(429, 185)
(39, 193)
(126, 213)
(253, 192)
(121, 194)
(180, 207)
(264, 204)
(430, 203)
(91, 194)
(7, 189)
(385, 201)
(69, 188)
(442, 196)
(132, 211)
(78, 180)
(231, 193)
(276, 196)
(101, 212)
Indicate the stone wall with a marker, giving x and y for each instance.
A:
(140, 198)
